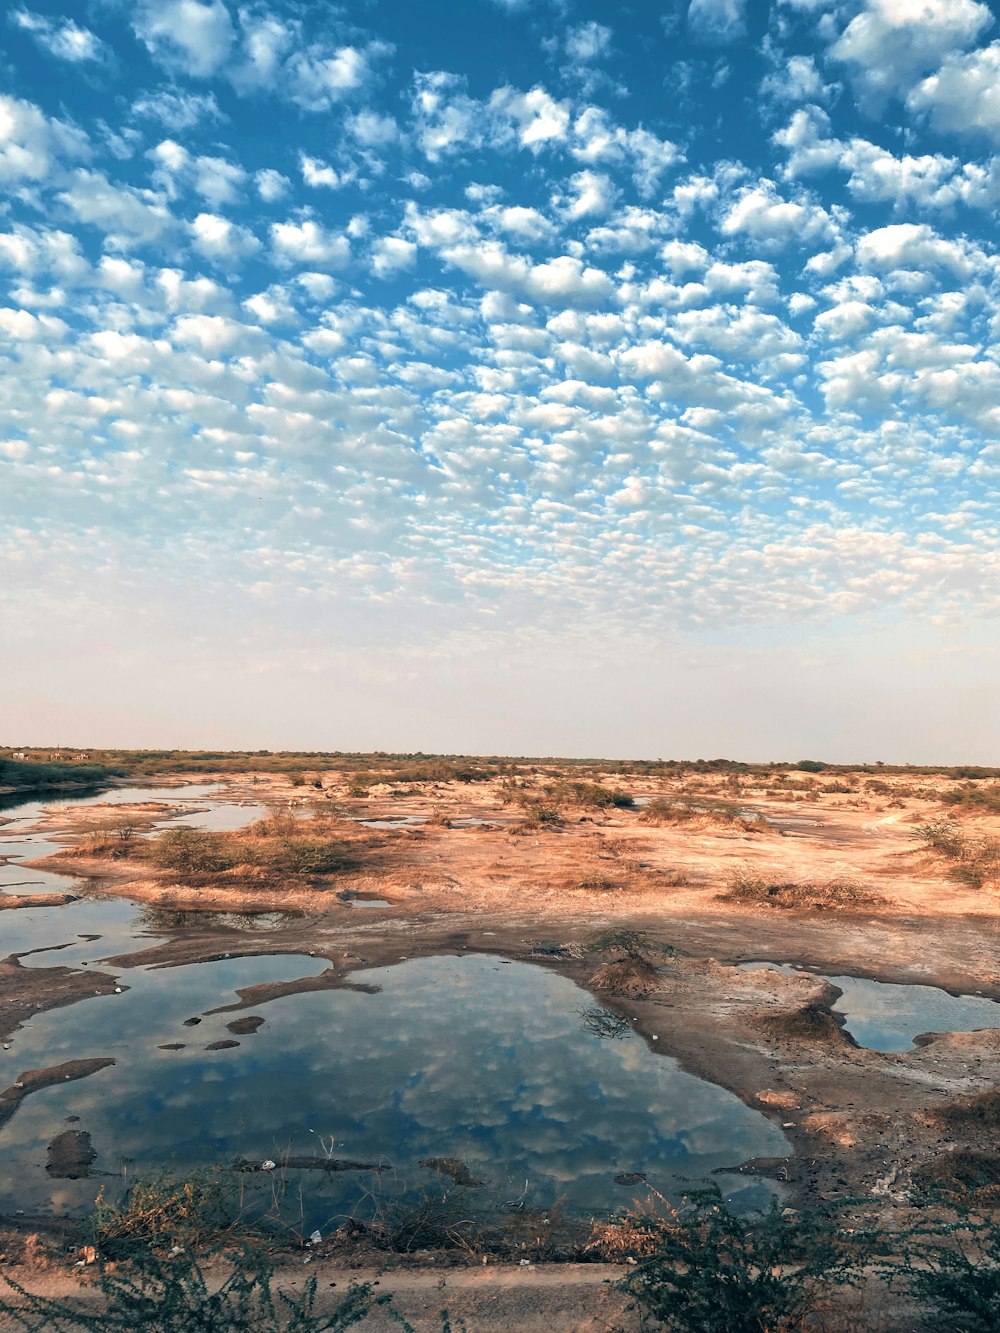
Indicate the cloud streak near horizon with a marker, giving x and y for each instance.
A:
(404, 342)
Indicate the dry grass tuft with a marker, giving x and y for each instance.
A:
(636, 978)
(755, 889)
(962, 1173)
(979, 1112)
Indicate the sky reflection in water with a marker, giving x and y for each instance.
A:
(456, 1057)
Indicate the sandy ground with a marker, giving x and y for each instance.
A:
(861, 1122)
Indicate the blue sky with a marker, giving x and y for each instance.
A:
(531, 376)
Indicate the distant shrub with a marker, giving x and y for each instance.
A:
(663, 811)
(597, 881)
(985, 797)
(591, 794)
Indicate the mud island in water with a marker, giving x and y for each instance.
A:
(704, 907)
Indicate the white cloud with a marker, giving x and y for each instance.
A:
(593, 194)
(391, 254)
(215, 179)
(561, 281)
(371, 129)
(797, 81)
(317, 77)
(65, 40)
(264, 42)
(964, 95)
(717, 21)
(596, 140)
(316, 173)
(309, 243)
(127, 216)
(271, 185)
(31, 143)
(446, 119)
(774, 222)
(909, 245)
(587, 41)
(215, 335)
(221, 240)
(185, 36)
(178, 110)
(527, 224)
(891, 42)
(535, 116)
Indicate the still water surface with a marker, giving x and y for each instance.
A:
(471, 1058)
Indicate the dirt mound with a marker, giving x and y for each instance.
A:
(810, 1023)
(634, 977)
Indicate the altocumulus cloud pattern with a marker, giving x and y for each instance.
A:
(385, 334)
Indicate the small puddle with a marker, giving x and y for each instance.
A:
(402, 821)
(887, 1016)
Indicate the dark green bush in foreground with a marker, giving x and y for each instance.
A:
(703, 1269)
(154, 1294)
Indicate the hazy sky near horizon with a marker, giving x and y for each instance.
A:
(522, 376)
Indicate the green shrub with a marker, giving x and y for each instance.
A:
(153, 1294)
(954, 1272)
(192, 851)
(702, 1269)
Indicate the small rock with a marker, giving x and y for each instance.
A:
(268, 1165)
(191, 1022)
(245, 1026)
(221, 1045)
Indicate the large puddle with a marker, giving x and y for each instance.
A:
(497, 1066)
(465, 1058)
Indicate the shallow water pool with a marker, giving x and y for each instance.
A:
(886, 1016)
(459, 1058)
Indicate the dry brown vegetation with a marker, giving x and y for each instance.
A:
(754, 889)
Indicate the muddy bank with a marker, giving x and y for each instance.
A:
(8, 903)
(32, 1080)
(28, 990)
